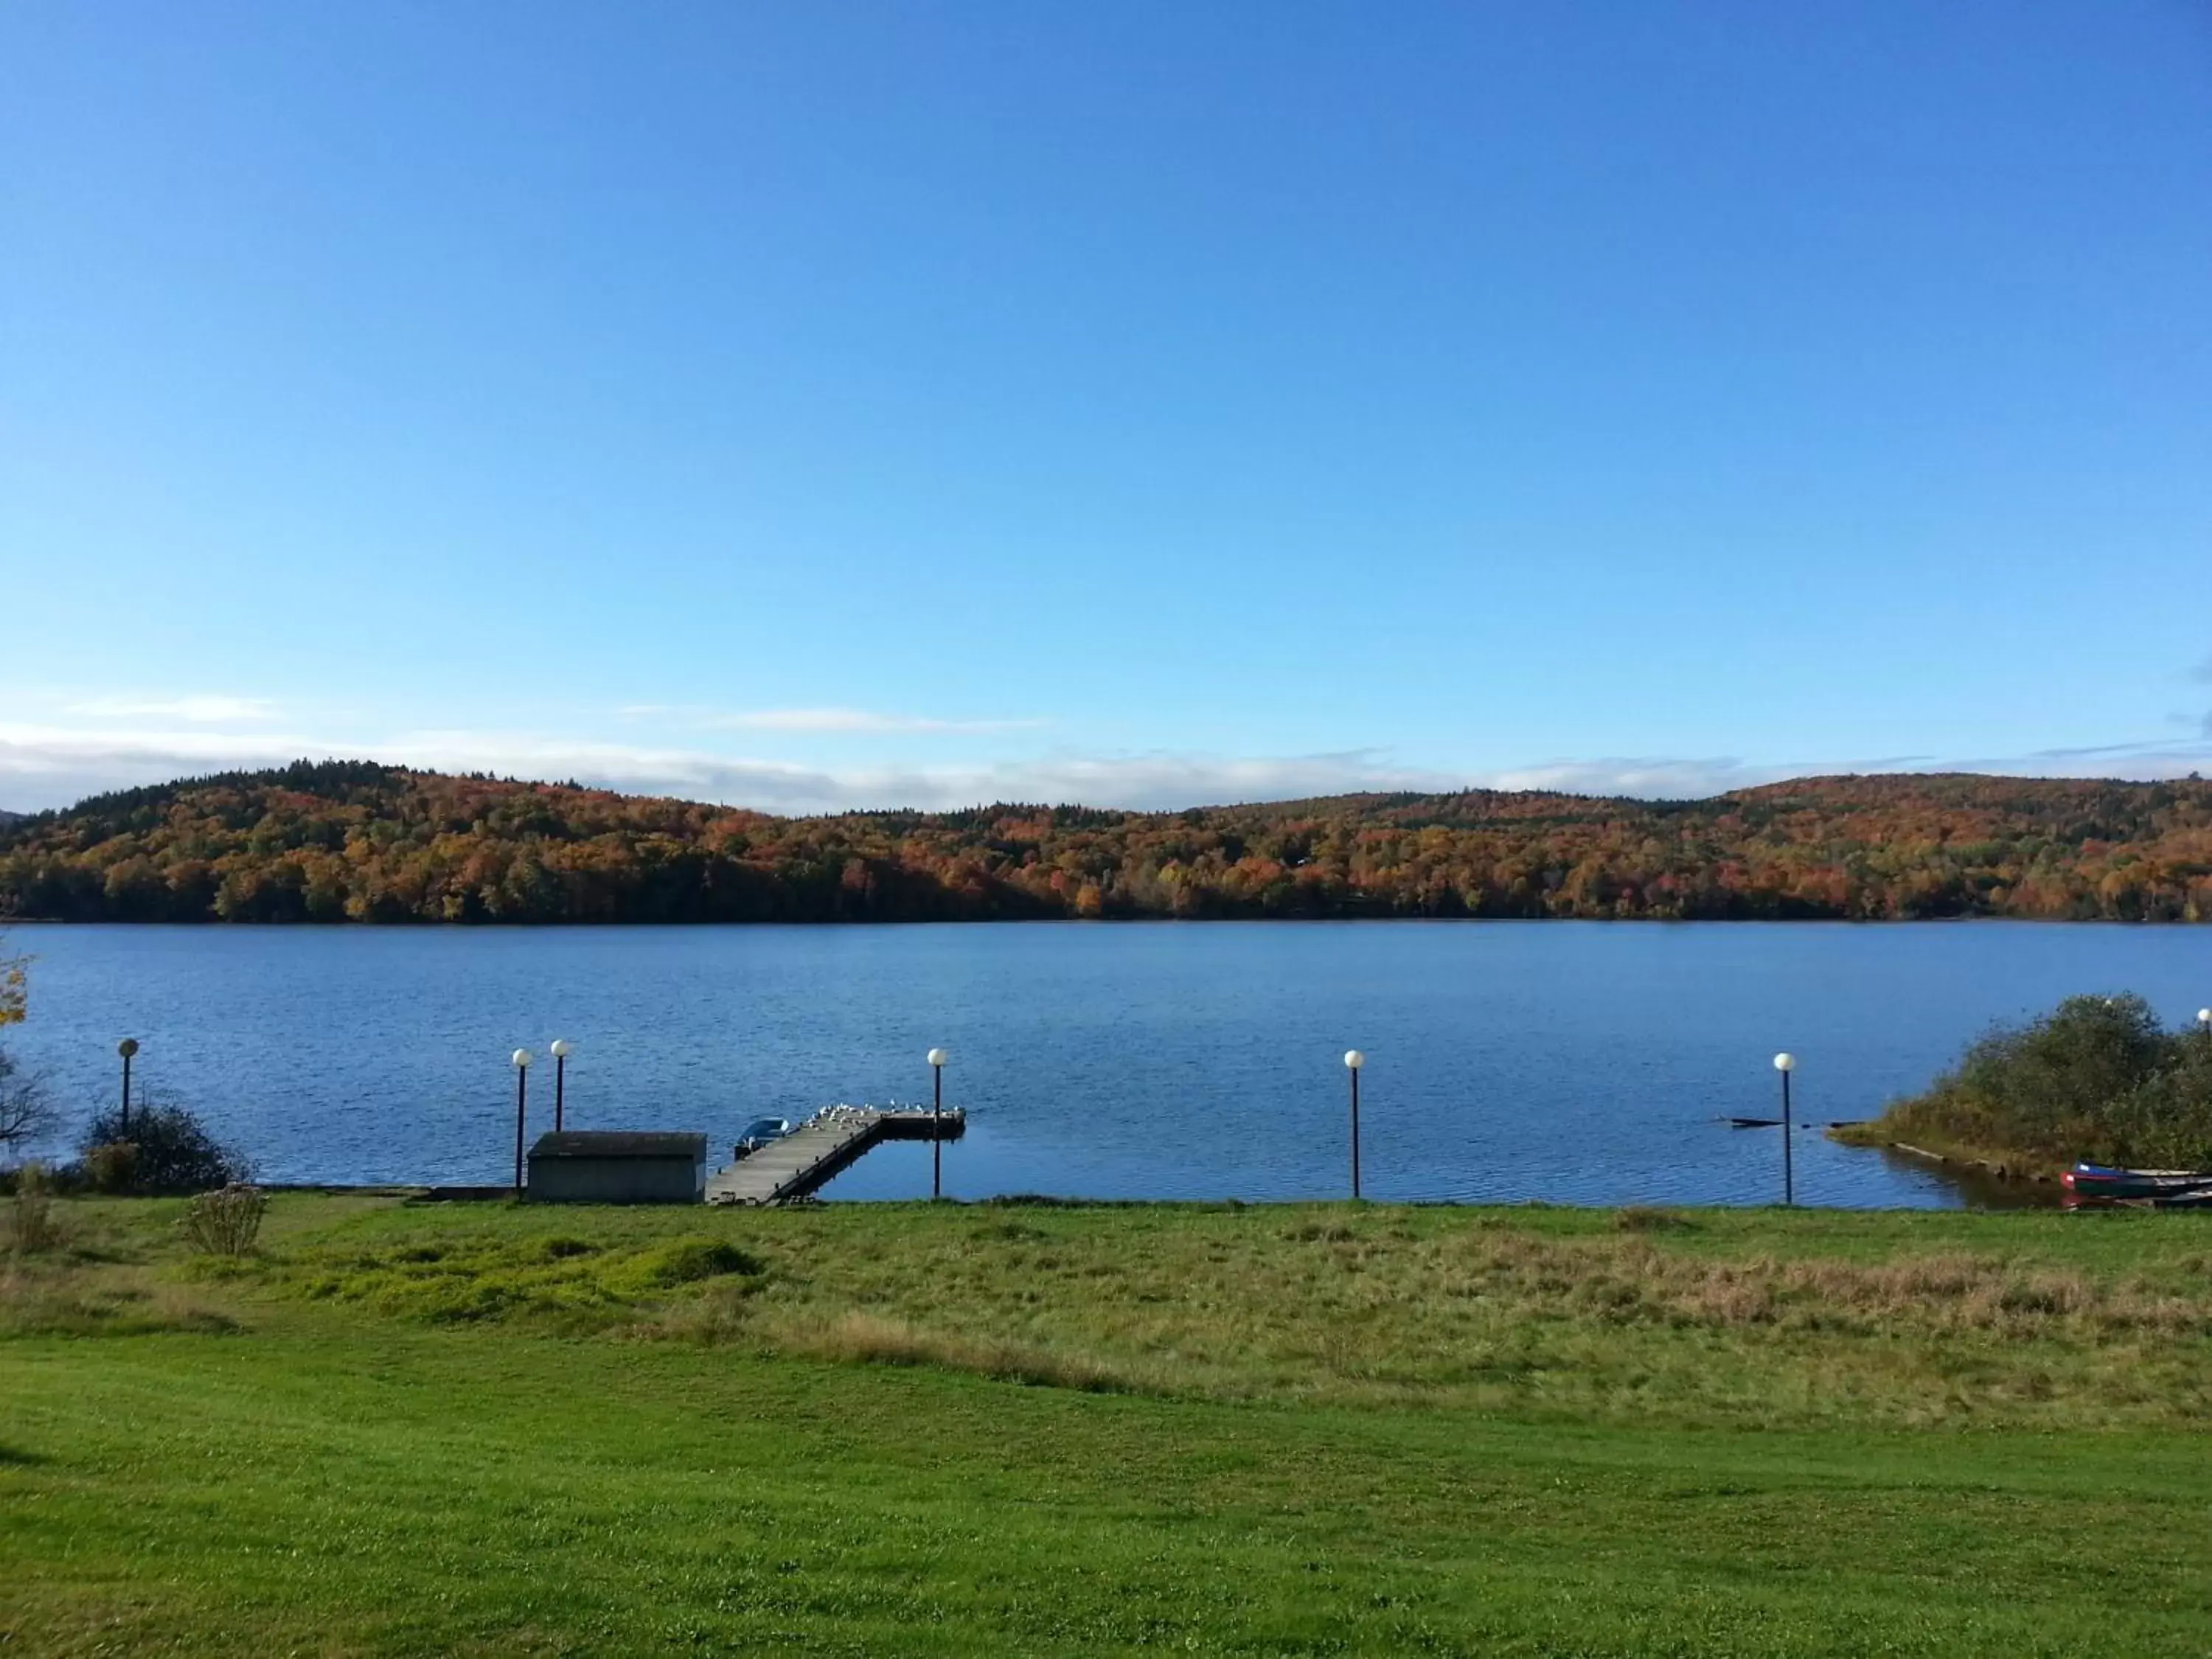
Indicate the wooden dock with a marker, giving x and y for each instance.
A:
(801, 1161)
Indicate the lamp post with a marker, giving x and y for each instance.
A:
(521, 1106)
(937, 1060)
(2205, 1023)
(560, 1049)
(1353, 1060)
(1786, 1064)
(127, 1047)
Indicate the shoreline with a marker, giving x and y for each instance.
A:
(309, 924)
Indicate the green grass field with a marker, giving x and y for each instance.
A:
(421, 1429)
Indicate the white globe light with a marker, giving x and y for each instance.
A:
(939, 1057)
(2204, 1015)
(1785, 1062)
(1354, 1059)
(560, 1049)
(522, 1056)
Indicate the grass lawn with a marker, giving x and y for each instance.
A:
(481, 1429)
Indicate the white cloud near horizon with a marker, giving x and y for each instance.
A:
(819, 722)
(204, 709)
(53, 765)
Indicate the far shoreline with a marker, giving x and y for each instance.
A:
(304, 924)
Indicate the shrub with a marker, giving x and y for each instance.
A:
(2062, 1076)
(173, 1153)
(112, 1167)
(2096, 1080)
(31, 1225)
(227, 1221)
(2165, 1121)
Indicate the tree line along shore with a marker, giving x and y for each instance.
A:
(355, 841)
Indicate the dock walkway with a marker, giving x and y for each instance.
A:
(801, 1161)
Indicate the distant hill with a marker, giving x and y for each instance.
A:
(354, 841)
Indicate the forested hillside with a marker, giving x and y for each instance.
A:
(358, 842)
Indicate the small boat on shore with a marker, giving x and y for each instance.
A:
(2099, 1183)
(761, 1132)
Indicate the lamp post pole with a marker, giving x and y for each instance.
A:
(1786, 1064)
(2205, 1023)
(1353, 1060)
(936, 1059)
(560, 1049)
(521, 1110)
(127, 1047)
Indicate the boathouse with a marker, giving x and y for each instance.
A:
(596, 1166)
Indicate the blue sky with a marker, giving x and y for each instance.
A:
(830, 404)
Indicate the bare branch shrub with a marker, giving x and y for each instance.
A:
(26, 1116)
(227, 1221)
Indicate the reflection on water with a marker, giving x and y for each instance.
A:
(1976, 1187)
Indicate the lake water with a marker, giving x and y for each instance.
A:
(1575, 1062)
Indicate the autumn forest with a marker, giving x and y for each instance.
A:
(336, 841)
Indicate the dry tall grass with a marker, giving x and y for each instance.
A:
(65, 1275)
(61, 1297)
(1689, 1316)
(1943, 1294)
(1491, 1317)
(873, 1339)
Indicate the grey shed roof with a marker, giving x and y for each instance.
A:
(619, 1143)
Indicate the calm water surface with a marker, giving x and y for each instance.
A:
(1575, 1062)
